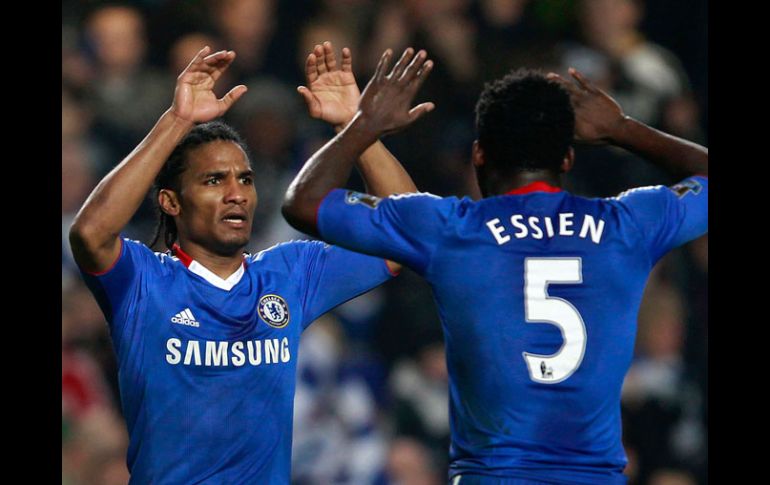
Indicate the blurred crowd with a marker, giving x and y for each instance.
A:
(371, 404)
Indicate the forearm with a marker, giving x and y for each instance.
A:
(117, 197)
(327, 169)
(383, 174)
(675, 155)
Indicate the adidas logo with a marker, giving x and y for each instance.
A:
(185, 317)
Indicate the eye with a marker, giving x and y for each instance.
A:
(212, 181)
(247, 180)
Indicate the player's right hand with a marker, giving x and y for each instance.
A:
(597, 115)
(194, 98)
(386, 100)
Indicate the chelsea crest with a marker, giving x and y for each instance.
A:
(273, 310)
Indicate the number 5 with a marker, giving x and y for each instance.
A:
(541, 308)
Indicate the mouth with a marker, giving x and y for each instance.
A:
(236, 220)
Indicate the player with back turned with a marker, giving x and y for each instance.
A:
(537, 289)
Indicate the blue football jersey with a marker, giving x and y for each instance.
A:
(207, 366)
(538, 292)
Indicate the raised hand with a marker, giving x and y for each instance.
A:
(386, 100)
(331, 93)
(194, 98)
(597, 115)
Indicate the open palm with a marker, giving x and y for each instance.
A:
(194, 98)
(331, 93)
(597, 114)
(387, 98)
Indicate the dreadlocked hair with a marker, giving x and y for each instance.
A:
(170, 176)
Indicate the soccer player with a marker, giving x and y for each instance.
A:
(537, 289)
(206, 337)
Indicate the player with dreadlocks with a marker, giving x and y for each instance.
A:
(206, 337)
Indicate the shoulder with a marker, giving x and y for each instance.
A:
(420, 198)
(143, 255)
(427, 202)
(656, 196)
(416, 196)
(638, 196)
(286, 253)
(640, 193)
(649, 206)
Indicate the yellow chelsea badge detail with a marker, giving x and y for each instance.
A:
(273, 310)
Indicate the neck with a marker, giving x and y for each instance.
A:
(221, 265)
(496, 185)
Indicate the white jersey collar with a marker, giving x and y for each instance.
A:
(205, 273)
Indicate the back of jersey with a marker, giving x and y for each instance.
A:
(538, 293)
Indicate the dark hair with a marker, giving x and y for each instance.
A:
(170, 175)
(524, 122)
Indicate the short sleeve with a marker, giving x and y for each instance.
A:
(668, 216)
(334, 275)
(404, 228)
(118, 289)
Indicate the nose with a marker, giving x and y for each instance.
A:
(236, 192)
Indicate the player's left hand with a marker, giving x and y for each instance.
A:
(331, 93)
(386, 100)
(597, 115)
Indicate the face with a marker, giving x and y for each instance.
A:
(603, 20)
(215, 206)
(118, 33)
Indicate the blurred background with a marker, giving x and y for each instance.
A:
(371, 404)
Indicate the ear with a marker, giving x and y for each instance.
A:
(477, 154)
(169, 202)
(569, 160)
